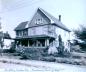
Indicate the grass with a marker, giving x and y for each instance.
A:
(41, 54)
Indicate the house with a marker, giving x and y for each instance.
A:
(41, 31)
(7, 40)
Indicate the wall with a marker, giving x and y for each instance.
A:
(64, 34)
(39, 15)
(42, 30)
(22, 32)
(7, 43)
(65, 37)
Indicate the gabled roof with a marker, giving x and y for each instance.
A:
(54, 20)
(22, 25)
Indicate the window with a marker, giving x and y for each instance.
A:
(25, 33)
(39, 21)
(17, 33)
(20, 33)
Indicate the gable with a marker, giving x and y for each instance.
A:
(39, 19)
(55, 20)
(42, 17)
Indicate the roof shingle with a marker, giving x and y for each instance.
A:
(55, 20)
(21, 26)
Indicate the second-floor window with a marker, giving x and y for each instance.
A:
(39, 21)
(25, 33)
(22, 33)
(17, 33)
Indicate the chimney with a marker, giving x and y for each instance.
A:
(59, 17)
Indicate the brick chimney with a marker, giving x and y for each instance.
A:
(59, 17)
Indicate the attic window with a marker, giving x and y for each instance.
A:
(39, 21)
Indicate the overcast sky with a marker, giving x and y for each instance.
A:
(13, 12)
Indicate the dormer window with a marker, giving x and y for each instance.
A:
(39, 21)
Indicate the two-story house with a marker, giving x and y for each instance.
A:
(42, 30)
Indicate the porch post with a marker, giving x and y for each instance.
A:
(36, 43)
(47, 42)
(20, 43)
(28, 43)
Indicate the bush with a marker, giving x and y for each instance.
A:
(49, 59)
(61, 60)
(55, 54)
(16, 54)
(32, 53)
(12, 48)
(60, 50)
(24, 57)
(45, 54)
(76, 57)
(83, 46)
(81, 35)
(5, 50)
(61, 46)
(32, 56)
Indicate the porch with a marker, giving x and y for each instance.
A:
(36, 42)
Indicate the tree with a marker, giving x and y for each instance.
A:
(81, 34)
(1, 40)
(61, 47)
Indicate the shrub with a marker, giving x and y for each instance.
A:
(24, 57)
(12, 48)
(61, 46)
(32, 56)
(32, 53)
(49, 59)
(16, 54)
(55, 54)
(45, 54)
(5, 50)
(76, 57)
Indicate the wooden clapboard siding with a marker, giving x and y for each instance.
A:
(42, 23)
(39, 15)
(42, 30)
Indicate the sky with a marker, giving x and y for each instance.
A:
(13, 12)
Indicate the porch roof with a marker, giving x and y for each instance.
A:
(33, 37)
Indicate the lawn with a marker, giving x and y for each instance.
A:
(75, 58)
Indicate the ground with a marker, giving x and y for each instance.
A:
(75, 58)
(40, 66)
(10, 63)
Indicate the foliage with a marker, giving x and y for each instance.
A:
(31, 53)
(12, 48)
(49, 59)
(81, 34)
(7, 35)
(61, 46)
